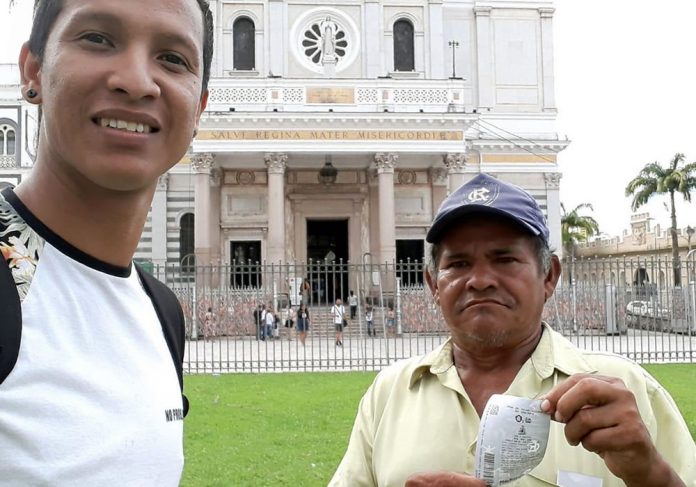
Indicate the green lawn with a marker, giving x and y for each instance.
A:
(266, 430)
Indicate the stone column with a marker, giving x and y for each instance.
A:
(436, 42)
(275, 242)
(159, 222)
(216, 177)
(455, 164)
(438, 185)
(484, 50)
(549, 100)
(553, 209)
(202, 164)
(387, 232)
(373, 39)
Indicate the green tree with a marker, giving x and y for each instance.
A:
(654, 179)
(576, 228)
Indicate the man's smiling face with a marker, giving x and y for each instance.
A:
(120, 87)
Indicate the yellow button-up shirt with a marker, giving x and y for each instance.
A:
(417, 417)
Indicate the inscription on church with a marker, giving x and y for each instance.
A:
(330, 95)
(404, 135)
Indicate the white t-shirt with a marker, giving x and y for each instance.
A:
(338, 313)
(94, 397)
(353, 300)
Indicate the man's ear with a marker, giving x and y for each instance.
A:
(552, 277)
(30, 74)
(432, 284)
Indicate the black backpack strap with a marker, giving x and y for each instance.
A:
(10, 321)
(171, 318)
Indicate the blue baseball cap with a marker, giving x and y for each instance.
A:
(486, 194)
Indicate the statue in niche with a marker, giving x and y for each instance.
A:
(328, 39)
(639, 235)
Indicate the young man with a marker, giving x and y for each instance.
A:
(93, 397)
(491, 272)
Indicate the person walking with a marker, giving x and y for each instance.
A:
(302, 323)
(338, 311)
(353, 305)
(269, 322)
(369, 320)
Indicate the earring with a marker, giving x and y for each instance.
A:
(31, 93)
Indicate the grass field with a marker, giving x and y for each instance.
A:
(268, 430)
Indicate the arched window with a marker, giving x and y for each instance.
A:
(186, 243)
(7, 140)
(243, 33)
(403, 46)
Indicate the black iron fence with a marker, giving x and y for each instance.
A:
(626, 306)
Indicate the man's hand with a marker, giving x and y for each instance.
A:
(602, 414)
(443, 479)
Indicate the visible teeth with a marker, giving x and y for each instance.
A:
(124, 125)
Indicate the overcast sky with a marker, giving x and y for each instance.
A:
(626, 93)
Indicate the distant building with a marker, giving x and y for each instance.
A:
(341, 126)
(645, 250)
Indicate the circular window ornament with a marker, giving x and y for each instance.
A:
(324, 39)
(325, 36)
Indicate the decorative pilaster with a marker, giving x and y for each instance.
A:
(553, 208)
(202, 165)
(385, 163)
(438, 187)
(548, 87)
(158, 217)
(275, 243)
(436, 40)
(373, 38)
(484, 51)
(456, 166)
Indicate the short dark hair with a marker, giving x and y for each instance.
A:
(46, 12)
(541, 249)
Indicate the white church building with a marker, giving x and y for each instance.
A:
(339, 127)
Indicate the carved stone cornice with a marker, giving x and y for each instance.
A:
(553, 180)
(385, 162)
(202, 163)
(163, 182)
(276, 161)
(482, 11)
(455, 162)
(438, 176)
(546, 12)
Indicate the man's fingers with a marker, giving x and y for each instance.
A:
(589, 419)
(591, 391)
(578, 391)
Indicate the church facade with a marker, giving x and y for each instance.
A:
(337, 128)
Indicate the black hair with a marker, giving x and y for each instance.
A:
(46, 12)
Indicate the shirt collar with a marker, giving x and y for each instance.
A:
(554, 352)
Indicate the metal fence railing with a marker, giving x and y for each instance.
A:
(629, 307)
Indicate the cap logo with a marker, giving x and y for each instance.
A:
(479, 195)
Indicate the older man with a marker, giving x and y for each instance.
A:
(491, 272)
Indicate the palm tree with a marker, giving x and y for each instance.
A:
(576, 228)
(653, 180)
